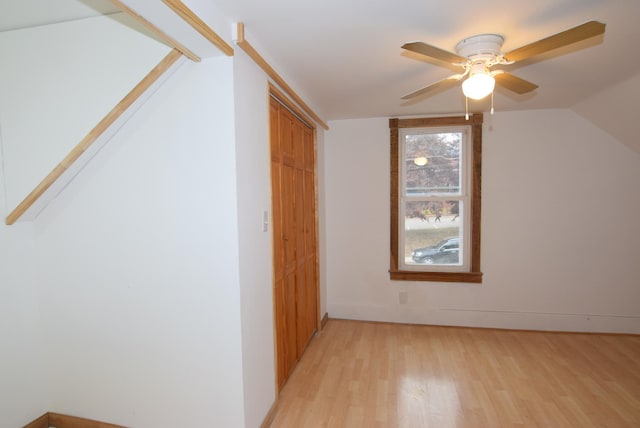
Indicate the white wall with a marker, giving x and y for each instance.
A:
(121, 301)
(256, 246)
(57, 82)
(559, 237)
(149, 284)
(56, 85)
(139, 266)
(23, 386)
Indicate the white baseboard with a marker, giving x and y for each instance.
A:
(410, 314)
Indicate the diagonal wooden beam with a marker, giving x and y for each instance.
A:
(95, 139)
(199, 25)
(166, 38)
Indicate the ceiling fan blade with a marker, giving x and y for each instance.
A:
(433, 52)
(514, 83)
(449, 81)
(564, 38)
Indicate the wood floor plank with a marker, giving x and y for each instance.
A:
(360, 374)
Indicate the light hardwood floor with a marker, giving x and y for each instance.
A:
(359, 374)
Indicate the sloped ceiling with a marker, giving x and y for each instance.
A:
(615, 111)
(32, 13)
(345, 57)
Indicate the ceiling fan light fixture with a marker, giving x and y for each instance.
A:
(479, 85)
(478, 54)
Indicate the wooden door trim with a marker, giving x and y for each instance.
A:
(280, 96)
(319, 324)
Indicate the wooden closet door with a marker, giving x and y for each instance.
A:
(288, 237)
(294, 223)
(278, 241)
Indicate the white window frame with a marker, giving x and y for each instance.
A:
(463, 196)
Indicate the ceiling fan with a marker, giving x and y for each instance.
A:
(477, 55)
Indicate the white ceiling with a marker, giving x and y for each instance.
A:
(344, 57)
(17, 14)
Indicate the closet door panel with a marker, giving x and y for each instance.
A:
(294, 234)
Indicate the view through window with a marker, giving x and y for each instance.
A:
(434, 195)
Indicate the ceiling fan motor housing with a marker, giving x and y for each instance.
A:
(483, 47)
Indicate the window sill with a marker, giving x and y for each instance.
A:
(404, 275)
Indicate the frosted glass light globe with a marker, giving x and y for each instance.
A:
(478, 86)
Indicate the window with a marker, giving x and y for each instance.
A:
(435, 199)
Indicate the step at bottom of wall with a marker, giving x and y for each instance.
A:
(57, 420)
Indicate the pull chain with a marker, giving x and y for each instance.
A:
(466, 108)
(491, 103)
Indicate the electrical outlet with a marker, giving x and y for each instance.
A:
(403, 297)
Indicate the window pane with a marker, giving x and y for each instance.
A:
(433, 163)
(433, 233)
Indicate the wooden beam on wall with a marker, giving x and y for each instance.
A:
(199, 25)
(65, 421)
(41, 422)
(96, 138)
(161, 34)
(264, 65)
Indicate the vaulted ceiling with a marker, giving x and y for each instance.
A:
(345, 56)
(32, 13)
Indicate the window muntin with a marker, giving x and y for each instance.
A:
(421, 206)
